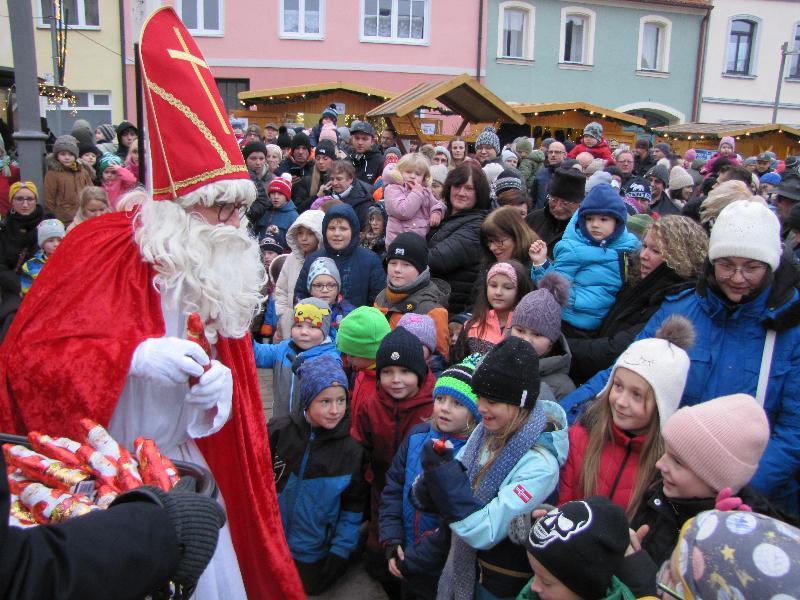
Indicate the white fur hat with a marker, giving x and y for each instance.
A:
(746, 229)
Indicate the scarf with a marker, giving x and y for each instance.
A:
(398, 294)
(458, 577)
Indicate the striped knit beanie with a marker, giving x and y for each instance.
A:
(456, 381)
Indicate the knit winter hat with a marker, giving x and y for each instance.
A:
(662, 362)
(509, 179)
(690, 155)
(456, 381)
(411, 248)
(488, 137)
(327, 133)
(524, 145)
(106, 160)
(639, 190)
(284, 139)
(401, 348)
(771, 178)
(360, 332)
(492, 171)
(597, 178)
(638, 224)
(720, 441)
(438, 173)
(594, 130)
(85, 148)
(603, 200)
(643, 143)
(508, 153)
(422, 326)
(330, 112)
(49, 228)
(509, 373)
(728, 140)
(281, 184)
(540, 310)
(344, 133)
(319, 373)
(592, 534)
(326, 148)
(679, 178)
(568, 184)
(66, 143)
(316, 312)
(503, 268)
(749, 230)
(442, 150)
(735, 554)
(268, 242)
(301, 139)
(109, 132)
(323, 265)
(251, 147)
(664, 148)
(660, 172)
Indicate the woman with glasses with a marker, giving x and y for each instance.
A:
(564, 197)
(746, 313)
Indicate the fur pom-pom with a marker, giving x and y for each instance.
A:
(677, 330)
(557, 285)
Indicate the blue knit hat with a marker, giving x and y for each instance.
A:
(317, 374)
(771, 178)
(603, 200)
(456, 381)
(330, 112)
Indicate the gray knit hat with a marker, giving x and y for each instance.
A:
(488, 137)
(540, 310)
(65, 143)
(442, 150)
(594, 130)
(316, 312)
(323, 266)
(509, 179)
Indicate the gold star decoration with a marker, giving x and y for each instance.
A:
(728, 553)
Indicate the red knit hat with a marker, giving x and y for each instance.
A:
(282, 185)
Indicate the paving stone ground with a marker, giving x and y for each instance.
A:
(355, 584)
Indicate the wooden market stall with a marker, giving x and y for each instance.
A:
(461, 96)
(549, 118)
(751, 140)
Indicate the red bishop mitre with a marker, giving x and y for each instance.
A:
(191, 141)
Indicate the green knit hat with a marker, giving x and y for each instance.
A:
(456, 381)
(360, 333)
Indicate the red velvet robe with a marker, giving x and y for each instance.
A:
(67, 356)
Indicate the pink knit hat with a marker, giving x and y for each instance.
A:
(728, 140)
(720, 441)
(502, 268)
(328, 132)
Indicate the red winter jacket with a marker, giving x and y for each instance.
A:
(619, 464)
(599, 150)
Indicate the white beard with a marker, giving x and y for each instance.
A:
(214, 270)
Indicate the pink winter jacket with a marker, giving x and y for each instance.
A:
(409, 210)
(125, 182)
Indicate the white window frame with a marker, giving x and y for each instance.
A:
(663, 47)
(527, 44)
(201, 31)
(43, 23)
(588, 39)
(301, 34)
(756, 43)
(91, 105)
(393, 39)
(794, 45)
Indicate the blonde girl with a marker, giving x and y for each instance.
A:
(92, 202)
(408, 198)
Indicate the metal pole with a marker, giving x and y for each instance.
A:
(784, 50)
(56, 67)
(29, 136)
(137, 61)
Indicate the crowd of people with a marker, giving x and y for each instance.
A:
(541, 369)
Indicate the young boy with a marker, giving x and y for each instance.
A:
(593, 143)
(592, 254)
(115, 179)
(530, 161)
(266, 322)
(49, 233)
(66, 176)
(281, 213)
(324, 282)
(361, 271)
(312, 323)
(424, 329)
(410, 289)
(321, 491)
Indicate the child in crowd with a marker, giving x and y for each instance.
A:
(594, 143)
(708, 447)
(361, 271)
(438, 176)
(9, 173)
(127, 133)
(281, 213)
(92, 202)
(509, 465)
(591, 254)
(309, 339)
(400, 400)
(324, 282)
(66, 176)
(266, 321)
(537, 319)
(402, 526)
(321, 492)
(530, 161)
(132, 160)
(614, 447)
(578, 552)
(410, 203)
(373, 235)
(506, 284)
(304, 237)
(49, 233)
(410, 289)
(424, 329)
(115, 179)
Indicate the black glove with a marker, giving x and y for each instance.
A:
(419, 497)
(390, 549)
(197, 521)
(431, 458)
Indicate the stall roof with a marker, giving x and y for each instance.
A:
(719, 130)
(545, 108)
(462, 95)
(313, 90)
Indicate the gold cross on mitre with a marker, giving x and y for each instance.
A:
(196, 62)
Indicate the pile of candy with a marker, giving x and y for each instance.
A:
(60, 478)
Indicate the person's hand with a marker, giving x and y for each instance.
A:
(538, 252)
(435, 453)
(277, 337)
(295, 179)
(324, 190)
(214, 386)
(168, 360)
(436, 218)
(399, 556)
(419, 497)
(637, 537)
(726, 501)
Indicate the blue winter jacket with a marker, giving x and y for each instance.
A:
(281, 217)
(361, 270)
(726, 359)
(595, 269)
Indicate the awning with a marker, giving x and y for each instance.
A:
(293, 93)
(592, 110)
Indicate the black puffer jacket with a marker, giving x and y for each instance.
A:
(369, 165)
(18, 243)
(634, 306)
(547, 227)
(454, 254)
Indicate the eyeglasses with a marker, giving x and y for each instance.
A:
(751, 272)
(226, 211)
(23, 200)
(561, 201)
(499, 241)
(556, 151)
(625, 161)
(324, 287)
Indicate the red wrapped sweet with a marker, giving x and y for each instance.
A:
(52, 506)
(151, 465)
(38, 467)
(104, 471)
(63, 449)
(195, 332)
